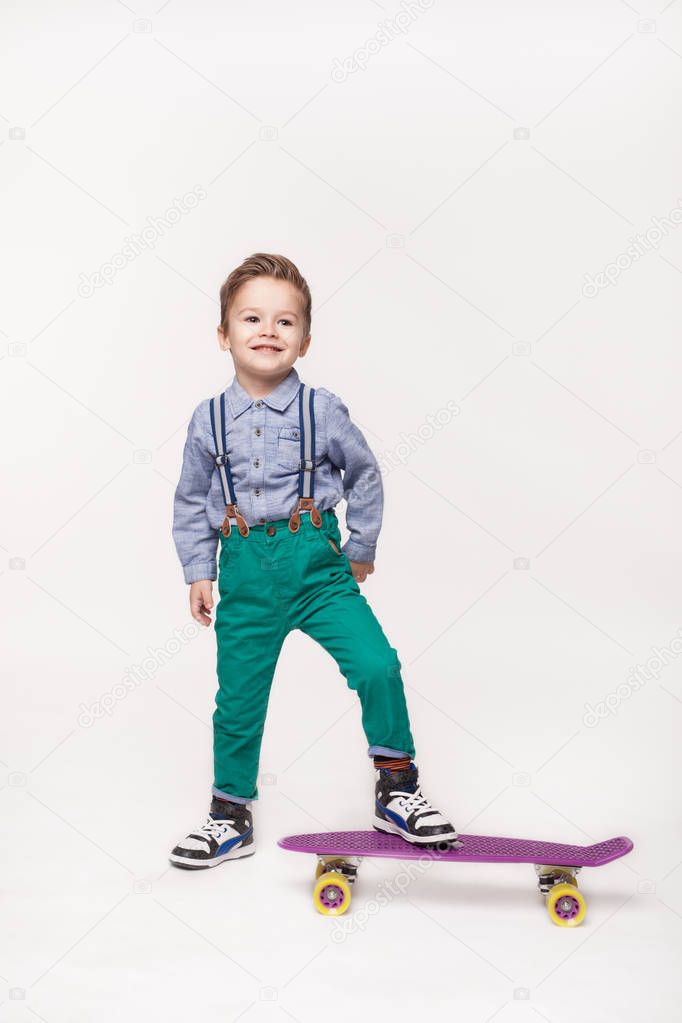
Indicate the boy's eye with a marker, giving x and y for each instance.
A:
(253, 317)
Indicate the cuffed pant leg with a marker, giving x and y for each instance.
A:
(339, 618)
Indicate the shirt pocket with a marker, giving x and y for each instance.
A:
(289, 447)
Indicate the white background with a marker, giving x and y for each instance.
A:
(444, 204)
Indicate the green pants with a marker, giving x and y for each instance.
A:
(273, 581)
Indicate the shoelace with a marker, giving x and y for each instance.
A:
(414, 801)
(213, 829)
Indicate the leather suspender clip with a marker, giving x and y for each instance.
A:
(231, 511)
(304, 504)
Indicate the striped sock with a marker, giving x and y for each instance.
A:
(393, 763)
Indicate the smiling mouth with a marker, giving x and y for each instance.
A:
(266, 348)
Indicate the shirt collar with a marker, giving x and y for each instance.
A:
(278, 399)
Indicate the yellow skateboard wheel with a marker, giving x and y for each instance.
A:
(566, 905)
(331, 894)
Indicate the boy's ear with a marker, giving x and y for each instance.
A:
(223, 339)
(305, 344)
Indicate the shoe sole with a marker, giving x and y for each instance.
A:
(233, 854)
(392, 829)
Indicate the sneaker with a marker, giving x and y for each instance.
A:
(226, 835)
(401, 809)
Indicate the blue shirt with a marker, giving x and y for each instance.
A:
(263, 450)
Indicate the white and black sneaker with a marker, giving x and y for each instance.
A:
(401, 809)
(226, 835)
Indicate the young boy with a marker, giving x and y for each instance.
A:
(262, 471)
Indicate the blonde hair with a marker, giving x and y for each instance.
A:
(264, 264)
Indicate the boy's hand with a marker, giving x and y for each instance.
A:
(361, 569)
(201, 601)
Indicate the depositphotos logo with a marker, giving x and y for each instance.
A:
(136, 674)
(640, 245)
(388, 29)
(660, 658)
(136, 244)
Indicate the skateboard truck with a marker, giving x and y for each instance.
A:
(347, 866)
(549, 876)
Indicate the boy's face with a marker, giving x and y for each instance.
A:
(265, 327)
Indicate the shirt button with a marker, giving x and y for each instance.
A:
(271, 531)
(256, 462)
(257, 492)
(259, 404)
(258, 431)
(261, 520)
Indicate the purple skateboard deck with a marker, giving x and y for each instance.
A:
(474, 848)
(556, 864)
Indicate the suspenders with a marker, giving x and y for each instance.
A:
(306, 480)
(223, 464)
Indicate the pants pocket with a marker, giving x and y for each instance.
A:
(231, 554)
(331, 544)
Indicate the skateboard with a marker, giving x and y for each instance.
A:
(339, 854)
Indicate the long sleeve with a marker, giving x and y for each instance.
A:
(362, 483)
(195, 541)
